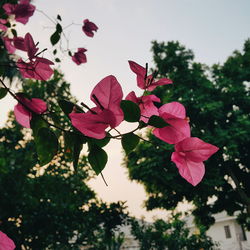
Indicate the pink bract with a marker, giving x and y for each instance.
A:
(5, 242)
(189, 156)
(145, 81)
(22, 11)
(107, 96)
(2, 24)
(175, 115)
(38, 69)
(89, 27)
(23, 115)
(8, 42)
(146, 105)
(79, 57)
(19, 43)
(92, 125)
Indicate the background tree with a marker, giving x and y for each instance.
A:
(169, 235)
(218, 104)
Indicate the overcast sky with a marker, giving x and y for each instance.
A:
(212, 29)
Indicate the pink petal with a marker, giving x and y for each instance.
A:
(43, 71)
(8, 44)
(137, 69)
(150, 98)
(30, 45)
(2, 24)
(19, 43)
(109, 94)
(5, 242)
(79, 57)
(195, 149)
(178, 130)
(192, 172)
(92, 125)
(22, 115)
(23, 11)
(9, 8)
(140, 73)
(26, 69)
(147, 110)
(174, 108)
(35, 104)
(132, 97)
(89, 27)
(162, 81)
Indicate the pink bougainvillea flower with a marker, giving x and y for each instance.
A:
(174, 114)
(2, 24)
(24, 115)
(30, 46)
(8, 42)
(5, 242)
(22, 11)
(79, 57)
(145, 81)
(13, 44)
(107, 96)
(89, 27)
(146, 104)
(19, 43)
(39, 68)
(189, 156)
(92, 125)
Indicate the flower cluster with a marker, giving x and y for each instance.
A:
(190, 152)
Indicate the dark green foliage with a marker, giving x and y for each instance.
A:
(129, 142)
(218, 103)
(169, 235)
(97, 158)
(55, 37)
(46, 145)
(3, 92)
(131, 111)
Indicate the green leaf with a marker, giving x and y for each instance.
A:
(55, 37)
(46, 145)
(36, 123)
(59, 17)
(157, 122)
(129, 142)
(59, 28)
(72, 146)
(3, 92)
(97, 158)
(131, 111)
(101, 143)
(66, 106)
(14, 33)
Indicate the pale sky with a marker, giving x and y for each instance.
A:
(212, 29)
